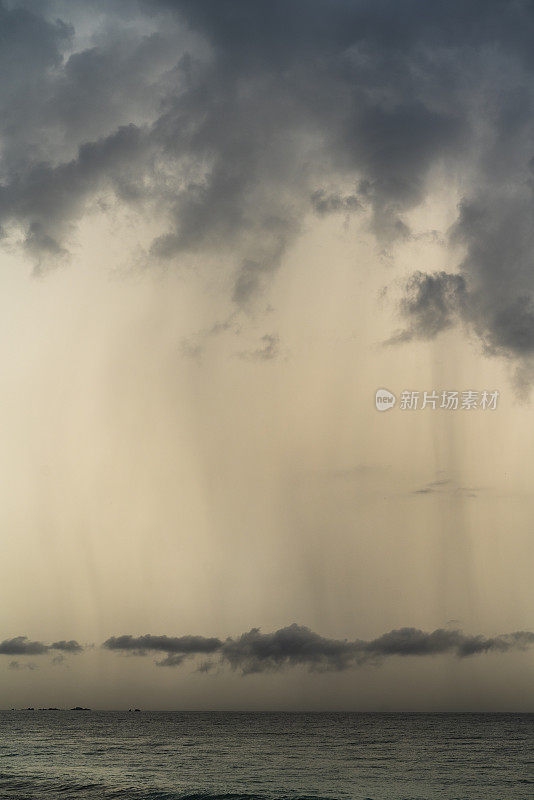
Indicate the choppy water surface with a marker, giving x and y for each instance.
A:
(164, 755)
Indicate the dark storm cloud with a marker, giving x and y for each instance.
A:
(331, 202)
(49, 197)
(171, 661)
(70, 646)
(21, 645)
(286, 99)
(231, 121)
(166, 644)
(292, 646)
(413, 642)
(296, 645)
(178, 649)
(432, 303)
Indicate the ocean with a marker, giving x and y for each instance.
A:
(256, 756)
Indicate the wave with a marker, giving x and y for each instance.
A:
(18, 787)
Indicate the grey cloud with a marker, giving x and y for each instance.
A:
(252, 275)
(167, 644)
(111, 83)
(497, 231)
(493, 292)
(171, 661)
(21, 645)
(223, 118)
(30, 55)
(260, 109)
(206, 666)
(49, 196)
(432, 304)
(268, 350)
(292, 646)
(395, 73)
(16, 665)
(233, 129)
(447, 487)
(330, 202)
(296, 645)
(193, 346)
(70, 646)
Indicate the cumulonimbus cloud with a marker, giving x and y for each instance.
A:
(230, 122)
(298, 646)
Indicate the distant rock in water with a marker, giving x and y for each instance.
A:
(80, 708)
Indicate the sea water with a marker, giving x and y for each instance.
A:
(169, 755)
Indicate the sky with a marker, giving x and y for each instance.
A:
(224, 225)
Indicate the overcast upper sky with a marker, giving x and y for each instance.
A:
(224, 225)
